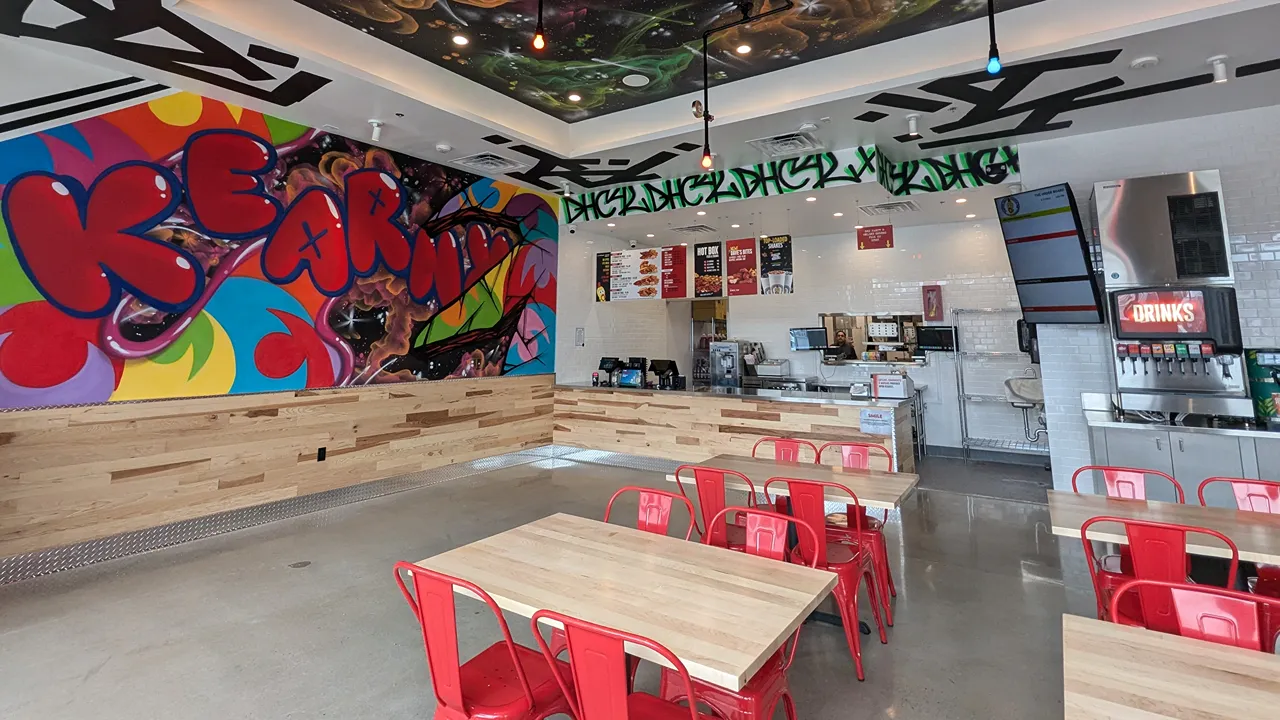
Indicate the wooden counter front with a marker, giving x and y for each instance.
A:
(693, 427)
(73, 474)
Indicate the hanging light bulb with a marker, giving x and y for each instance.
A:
(539, 41)
(707, 160)
(994, 65)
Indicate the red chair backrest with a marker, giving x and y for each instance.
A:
(1208, 613)
(808, 501)
(655, 509)
(1126, 483)
(599, 664)
(786, 449)
(1159, 552)
(432, 601)
(767, 532)
(1253, 495)
(857, 455)
(711, 494)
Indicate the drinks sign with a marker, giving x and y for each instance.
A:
(1168, 312)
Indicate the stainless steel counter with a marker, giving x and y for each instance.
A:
(1098, 414)
(818, 398)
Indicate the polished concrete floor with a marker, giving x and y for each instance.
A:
(302, 619)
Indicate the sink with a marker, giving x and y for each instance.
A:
(1024, 392)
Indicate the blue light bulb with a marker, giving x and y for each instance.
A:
(994, 66)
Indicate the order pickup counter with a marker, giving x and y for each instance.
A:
(694, 425)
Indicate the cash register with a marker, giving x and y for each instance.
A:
(668, 374)
(610, 367)
(633, 373)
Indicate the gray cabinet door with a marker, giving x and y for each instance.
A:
(1147, 449)
(1197, 456)
(1268, 458)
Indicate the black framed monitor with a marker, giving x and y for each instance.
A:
(663, 367)
(936, 337)
(609, 364)
(813, 338)
(1049, 256)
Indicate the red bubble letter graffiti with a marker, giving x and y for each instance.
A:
(311, 237)
(375, 202)
(223, 172)
(82, 249)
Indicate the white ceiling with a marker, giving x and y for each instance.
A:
(796, 215)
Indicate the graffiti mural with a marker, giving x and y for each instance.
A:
(991, 166)
(626, 53)
(186, 247)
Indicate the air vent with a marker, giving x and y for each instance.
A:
(890, 208)
(792, 143)
(694, 230)
(489, 164)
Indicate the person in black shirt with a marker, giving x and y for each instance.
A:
(842, 350)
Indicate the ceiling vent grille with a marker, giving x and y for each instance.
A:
(694, 230)
(792, 143)
(489, 164)
(890, 208)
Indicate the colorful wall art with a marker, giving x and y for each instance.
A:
(185, 247)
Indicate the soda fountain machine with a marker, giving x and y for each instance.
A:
(1166, 266)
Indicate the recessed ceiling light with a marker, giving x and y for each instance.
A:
(460, 40)
(635, 80)
(744, 49)
(649, 235)
(1144, 62)
(811, 199)
(764, 235)
(613, 224)
(970, 216)
(735, 225)
(961, 201)
(838, 214)
(574, 97)
(702, 212)
(857, 227)
(684, 244)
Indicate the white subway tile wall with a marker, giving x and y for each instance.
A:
(1245, 146)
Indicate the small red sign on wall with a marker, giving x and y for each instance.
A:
(876, 237)
(932, 302)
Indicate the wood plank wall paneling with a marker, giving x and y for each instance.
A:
(73, 474)
(696, 427)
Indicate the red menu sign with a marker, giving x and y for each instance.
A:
(1166, 312)
(675, 283)
(878, 237)
(740, 266)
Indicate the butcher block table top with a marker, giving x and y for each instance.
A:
(874, 488)
(722, 613)
(1256, 534)
(1117, 672)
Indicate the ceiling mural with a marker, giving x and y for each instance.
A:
(620, 54)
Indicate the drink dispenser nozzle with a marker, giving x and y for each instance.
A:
(1225, 362)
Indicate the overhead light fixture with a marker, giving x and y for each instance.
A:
(763, 235)
(649, 235)
(735, 225)
(993, 57)
(376, 135)
(913, 125)
(702, 212)
(613, 224)
(811, 199)
(744, 49)
(961, 201)
(460, 40)
(574, 97)
(707, 160)
(684, 244)
(1219, 63)
(857, 227)
(539, 41)
(970, 216)
(837, 214)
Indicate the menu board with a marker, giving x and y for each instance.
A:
(602, 277)
(740, 266)
(634, 274)
(675, 283)
(708, 270)
(776, 265)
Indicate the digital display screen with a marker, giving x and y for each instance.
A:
(1161, 312)
(1051, 267)
(630, 378)
(808, 338)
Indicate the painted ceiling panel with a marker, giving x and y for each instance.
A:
(620, 54)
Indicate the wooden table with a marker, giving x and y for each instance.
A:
(1257, 535)
(1116, 672)
(722, 613)
(875, 488)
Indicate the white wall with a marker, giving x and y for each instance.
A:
(1245, 146)
(643, 328)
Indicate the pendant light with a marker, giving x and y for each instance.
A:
(993, 57)
(539, 41)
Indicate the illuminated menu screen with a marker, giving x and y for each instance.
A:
(1051, 266)
(1161, 312)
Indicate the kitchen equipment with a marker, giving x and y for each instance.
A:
(666, 372)
(726, 364)
(610, 366)
(773, 368)
(630, 378)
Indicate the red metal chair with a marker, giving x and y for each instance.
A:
(655, 509)
(506, 681)
(766, 537)
(785, 449)
(1159, 552)
(1254, 496)
(710, 482)
(851, 561)
(1126, 483)
(599, 689)
(857, 456)
(1214, 614)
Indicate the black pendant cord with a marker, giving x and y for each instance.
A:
(991, 20)
(747, 17)
(994, 66)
